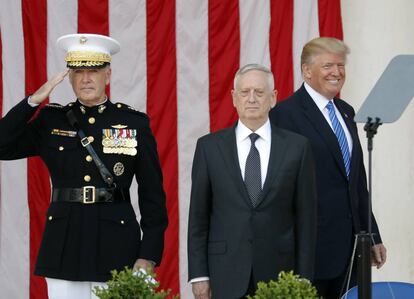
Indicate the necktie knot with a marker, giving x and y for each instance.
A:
(330, 106)
(253, 137)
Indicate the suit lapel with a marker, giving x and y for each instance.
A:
(277, 153)
(321, 126)
(228, 147)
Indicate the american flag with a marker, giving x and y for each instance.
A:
(177, 62)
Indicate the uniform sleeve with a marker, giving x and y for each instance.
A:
(306, 217)
(151, 197)
(17, 132)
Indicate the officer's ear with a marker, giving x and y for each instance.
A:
(108, 72)
(71, 76)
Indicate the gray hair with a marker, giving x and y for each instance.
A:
(258, 67)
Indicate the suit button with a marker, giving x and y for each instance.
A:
(122, 222)
(87, 178)
(91, 139)
(88, 158)
(250, 240)
(61, 148)
(91, 120)
(50, 218)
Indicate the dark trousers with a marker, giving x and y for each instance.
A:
(251, 289)
(334, 288)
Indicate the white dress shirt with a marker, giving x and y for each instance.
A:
(263, 144)
(321, 102)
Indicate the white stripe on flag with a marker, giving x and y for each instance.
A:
(254, 32)
(127, 24)
(14, 226)
(305, 27)
(193, 106)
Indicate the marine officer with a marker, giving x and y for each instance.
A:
(92, 148)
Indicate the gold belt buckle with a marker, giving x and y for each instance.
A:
(88, 194)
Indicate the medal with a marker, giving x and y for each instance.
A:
(118, 168)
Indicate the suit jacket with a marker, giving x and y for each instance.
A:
(87, 241)
(342, 203)
(228, 239)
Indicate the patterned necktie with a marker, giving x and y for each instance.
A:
(252, 173)
(340, 135)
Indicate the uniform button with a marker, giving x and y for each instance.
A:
(61, 148)
(122, 222)
(87, 178)
(91, 120)
(50, 218)
(88, 158)
(91, 139)
(119, 105)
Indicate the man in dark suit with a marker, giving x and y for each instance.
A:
(314, 112)
(91, 227)
(253, 206)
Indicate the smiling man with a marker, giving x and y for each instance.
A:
(315, 112)
(253, 206)
(93, 149)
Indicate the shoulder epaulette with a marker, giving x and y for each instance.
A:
(130, 109)
(54, 105)
(58, 106)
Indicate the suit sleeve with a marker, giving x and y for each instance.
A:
(18, 134)
(151, 198)
(199, 216)
(306, 218)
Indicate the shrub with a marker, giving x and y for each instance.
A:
(287, 286)
(127, 284)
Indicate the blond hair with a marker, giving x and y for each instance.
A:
(322, 45)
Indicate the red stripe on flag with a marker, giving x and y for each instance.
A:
(93, 17)
(224, 60)
(280, 43)
(162, 109)
(35, 44)
(330, 19)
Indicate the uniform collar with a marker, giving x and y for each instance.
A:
(100, 108)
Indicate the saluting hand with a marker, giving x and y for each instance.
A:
(44, 91)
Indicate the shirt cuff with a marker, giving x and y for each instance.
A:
(199, 279)
(30, 103)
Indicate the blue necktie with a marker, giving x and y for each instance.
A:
(252, 173)
(340, 135)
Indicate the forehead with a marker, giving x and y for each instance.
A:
(327, 57)
(88, 70)
(252, 78)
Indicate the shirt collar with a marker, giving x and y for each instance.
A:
(319, 99)
(243, 132)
